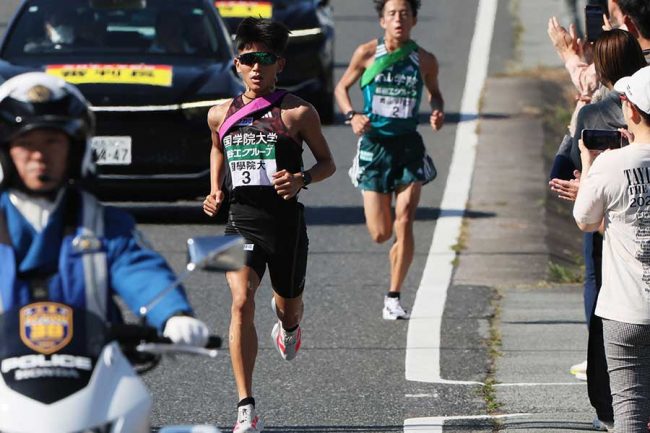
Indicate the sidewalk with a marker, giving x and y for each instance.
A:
(542, 328)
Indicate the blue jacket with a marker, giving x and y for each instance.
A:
(85, 254)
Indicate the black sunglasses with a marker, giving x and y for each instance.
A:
(263, 58)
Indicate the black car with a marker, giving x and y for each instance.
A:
(151, 69)
(310, 54)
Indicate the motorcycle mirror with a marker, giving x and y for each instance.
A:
(215, 253)
(209, 253)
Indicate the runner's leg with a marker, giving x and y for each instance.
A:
(401, 253)
(243, 336)
(379, 219)
(288, 310)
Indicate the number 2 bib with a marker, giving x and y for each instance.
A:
(393, 107)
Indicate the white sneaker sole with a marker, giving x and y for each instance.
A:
(258, 429)
(274, 336)
(388, 316)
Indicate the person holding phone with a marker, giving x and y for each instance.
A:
(616, 54)
(391, 158)
(636, 18)
(572, 49)
(614, 193)
(601, 139)
(257, 142)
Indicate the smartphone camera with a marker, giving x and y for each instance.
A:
(594, 21)
(601, 139)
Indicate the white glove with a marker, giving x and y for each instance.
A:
(186, 330)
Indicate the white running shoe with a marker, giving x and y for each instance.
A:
(393, 309)
(247, 420)
(287, 343)
(579, 370)
(603, 425)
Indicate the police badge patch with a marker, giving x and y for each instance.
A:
(46, 327)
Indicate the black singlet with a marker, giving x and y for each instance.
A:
(255, 148)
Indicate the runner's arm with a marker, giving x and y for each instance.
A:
(317, 143)
(360, 60)
(213, 201)
(429, 68)
(304, 125)
(351, 75)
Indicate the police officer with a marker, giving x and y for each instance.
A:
(57, 242)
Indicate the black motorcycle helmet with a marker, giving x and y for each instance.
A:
(37, 100)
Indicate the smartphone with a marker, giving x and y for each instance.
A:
(594, 21)
(601, 139)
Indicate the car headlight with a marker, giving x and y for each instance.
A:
(198, 111)
(305, 34)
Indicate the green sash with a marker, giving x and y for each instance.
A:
(388, 60)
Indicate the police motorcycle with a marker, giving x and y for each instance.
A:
(67, 371)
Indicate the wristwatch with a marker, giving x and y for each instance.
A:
(306, 178)
(350, 114)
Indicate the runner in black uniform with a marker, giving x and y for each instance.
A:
(257, 142)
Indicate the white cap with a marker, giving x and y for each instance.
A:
(636, 88)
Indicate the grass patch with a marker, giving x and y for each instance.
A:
(517, 32)
(463, 236)
(494, 344)
(558, 273)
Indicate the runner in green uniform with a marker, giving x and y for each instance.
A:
(391, 158)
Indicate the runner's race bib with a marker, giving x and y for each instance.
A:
(392, 106)
(251, 157)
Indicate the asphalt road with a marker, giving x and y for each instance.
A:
(349, 375)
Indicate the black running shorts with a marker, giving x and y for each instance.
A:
(279, 242)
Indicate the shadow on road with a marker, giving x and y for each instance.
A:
(191, 213)
(348, 215)
(169, 213)
(334, 429)
(451, 117)
(546, 426)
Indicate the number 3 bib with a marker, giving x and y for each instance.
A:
(251, 157)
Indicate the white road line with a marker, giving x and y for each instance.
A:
(507, 385)
(434, 395)
(423, 339)
(435, 424)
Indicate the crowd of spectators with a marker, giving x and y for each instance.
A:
(612, 84)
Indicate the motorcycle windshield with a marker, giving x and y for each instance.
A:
(48, 350)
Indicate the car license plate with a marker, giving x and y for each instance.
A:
(112, 150)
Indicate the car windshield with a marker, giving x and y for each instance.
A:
(116, 27)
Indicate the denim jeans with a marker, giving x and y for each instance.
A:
(598, 388)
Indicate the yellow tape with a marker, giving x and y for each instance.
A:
(243, 9)
(149, 75)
